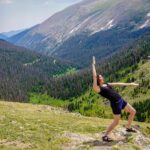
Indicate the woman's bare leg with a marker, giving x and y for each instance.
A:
(113, 124)
(131, 112)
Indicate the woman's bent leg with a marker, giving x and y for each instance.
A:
(113, 124)
(131, 112)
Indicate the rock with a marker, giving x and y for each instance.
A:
(2, 118)
(14, 122)
(21, 127)
(122, 140)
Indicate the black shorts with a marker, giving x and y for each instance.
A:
(118, 106)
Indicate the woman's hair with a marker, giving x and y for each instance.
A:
(98, 80)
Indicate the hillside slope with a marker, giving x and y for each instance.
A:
(92, 104)
(92, 27)
(78, 83)
(22, 69)
(36, 127)
(2, 36)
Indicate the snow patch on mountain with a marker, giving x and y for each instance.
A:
(32, 63)
(82, 24)
(54, 61)
(78, 26)
(75, 29)
(146, 24)
(148, 14)
(108, 26)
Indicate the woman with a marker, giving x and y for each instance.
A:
(116, 101)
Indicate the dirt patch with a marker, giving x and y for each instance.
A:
(16, 144)
(77, 140)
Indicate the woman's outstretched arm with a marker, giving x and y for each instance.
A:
(95, 86)
(123, 84)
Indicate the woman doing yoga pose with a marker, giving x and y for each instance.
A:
(116, 101)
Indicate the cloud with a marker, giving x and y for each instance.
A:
(61, 1)
(50, 2)
(67, 1)
(6, 1)
(46, 3)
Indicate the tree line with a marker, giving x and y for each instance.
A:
(17, 80)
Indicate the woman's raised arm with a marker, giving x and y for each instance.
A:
(95, 86)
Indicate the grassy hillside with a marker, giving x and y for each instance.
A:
(140, 75)
(23, 71)
(126, 59)
(91, 104)
(36, 127)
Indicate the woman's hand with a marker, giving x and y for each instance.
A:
(94, 61)
(134, 84)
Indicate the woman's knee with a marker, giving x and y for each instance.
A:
(130, 109)
(133, 111)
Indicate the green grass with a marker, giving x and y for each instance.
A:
(89, 104)
(92, 104)
(141, 73)
(39, 127)
(67, 72)
(47, 100)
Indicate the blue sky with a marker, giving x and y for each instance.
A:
(20, 14)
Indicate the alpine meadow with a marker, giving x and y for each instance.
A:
(79, 80)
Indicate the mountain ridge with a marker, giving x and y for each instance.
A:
(90, 18)
(3, 37)
(22, 70)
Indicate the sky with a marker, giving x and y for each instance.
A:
(22, 14)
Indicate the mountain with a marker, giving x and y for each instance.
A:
(33, 71)
(23, 71)
(128, 56)
(12, 33)
(130, 64)
(18, 36)
(92, 27)
(2, 36)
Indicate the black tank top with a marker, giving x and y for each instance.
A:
(109, 93)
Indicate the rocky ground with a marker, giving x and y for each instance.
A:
(122, 140)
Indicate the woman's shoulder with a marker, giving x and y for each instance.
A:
(109, 85)
(105, 85)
